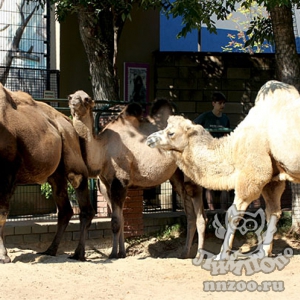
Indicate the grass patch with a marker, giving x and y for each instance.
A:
(171, 231)
(168, 233)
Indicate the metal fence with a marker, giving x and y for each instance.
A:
(25, 47)
(33, 81)
(29, 203)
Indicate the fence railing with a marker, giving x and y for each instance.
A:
(28, 202)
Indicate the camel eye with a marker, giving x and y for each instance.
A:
(170, 133)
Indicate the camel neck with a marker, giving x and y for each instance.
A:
(214, 161)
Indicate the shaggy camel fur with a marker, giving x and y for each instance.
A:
(39, 144)
(120, 158)
(256, 158)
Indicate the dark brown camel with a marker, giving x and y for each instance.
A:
(38, 144)
(121, 159)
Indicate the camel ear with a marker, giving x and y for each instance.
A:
(88, 101)
(188, 125)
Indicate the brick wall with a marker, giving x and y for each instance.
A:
(102, 206)
(30, 232)
(132, 212)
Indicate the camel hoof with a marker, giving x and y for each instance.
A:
(116, 256)
(184, 255)
(113, 255)
(77, 257)
(49, 252)
(121, 255)
(5, 260)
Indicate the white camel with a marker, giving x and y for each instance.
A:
(121, 159)
(256, 158)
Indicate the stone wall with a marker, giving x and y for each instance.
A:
(20, 233)
(190, 78)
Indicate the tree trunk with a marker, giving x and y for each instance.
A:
(97, 35)
(295, 208)
(286, 56)
(288, 71)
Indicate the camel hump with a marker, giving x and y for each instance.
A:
(162, 104)
(274, 89)
(134, 110)
(15, 98)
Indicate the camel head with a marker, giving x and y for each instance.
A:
(174, 137)
(80, 104)
(161, 109)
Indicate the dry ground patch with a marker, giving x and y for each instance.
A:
(151, 270)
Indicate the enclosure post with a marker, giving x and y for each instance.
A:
(174, 200)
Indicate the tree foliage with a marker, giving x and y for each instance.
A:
(246, 26)
(194, 13)
(106, 19)
(101, 23)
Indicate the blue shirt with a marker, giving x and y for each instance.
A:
(209, 120)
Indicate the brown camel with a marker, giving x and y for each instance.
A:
(39, 144)
(121, 159)
(256, 158)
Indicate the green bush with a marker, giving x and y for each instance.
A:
(46, 190)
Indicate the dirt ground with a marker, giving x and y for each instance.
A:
(150, 271)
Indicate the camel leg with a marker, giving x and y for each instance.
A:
(193, 207)
(65, 212)
(234, 214)
(117, 225)
(118, 193)
(177, 181)
(4, 208)
(122, 250)
(191, 225)
(86, 215)
(200, 215)
(7, 188)
(196, 219)
(272, 193)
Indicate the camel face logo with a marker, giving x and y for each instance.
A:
(242, 222)
(257, 261)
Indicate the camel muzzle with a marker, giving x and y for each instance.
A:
(152, 140)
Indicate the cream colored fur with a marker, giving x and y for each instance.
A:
(256, 158)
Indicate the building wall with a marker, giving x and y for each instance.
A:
(186, 77)
(139, 39)
(74, 69)
(205, 41)
(190, 78)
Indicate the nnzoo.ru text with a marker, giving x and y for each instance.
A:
(240, 286)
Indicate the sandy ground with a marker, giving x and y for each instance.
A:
(150, 271)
